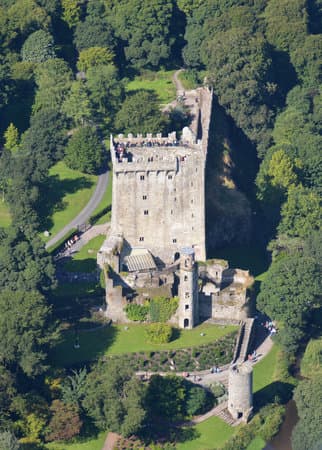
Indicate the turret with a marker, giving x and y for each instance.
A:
(188, 289)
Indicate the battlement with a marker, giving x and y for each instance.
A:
(133, 154)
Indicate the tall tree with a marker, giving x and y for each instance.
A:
(25, 330)
(114, 398)
(38, 47)
(84, 151)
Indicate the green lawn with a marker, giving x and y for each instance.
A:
(312, 360)
(66, 193)
(210, 433)
(5, 219)
(264, 371)
(85, 259)
(91, 444)
(116, 339)
(159, 82)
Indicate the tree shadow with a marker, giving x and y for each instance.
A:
(52, 194)
(276, 392)
(78, 347)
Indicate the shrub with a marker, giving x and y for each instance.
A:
(162, 308)
(159, 333)
(136, 312)
(198, 401)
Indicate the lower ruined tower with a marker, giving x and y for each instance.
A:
(240, 391)
(188, 289)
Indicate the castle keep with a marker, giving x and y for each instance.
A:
(156, 245)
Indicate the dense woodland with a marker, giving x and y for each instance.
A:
(64, 66)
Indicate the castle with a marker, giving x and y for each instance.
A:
(157, 244)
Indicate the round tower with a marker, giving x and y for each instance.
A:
(240, 391)
(188, 289)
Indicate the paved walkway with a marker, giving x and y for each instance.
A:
(95, 230)
(86, 213)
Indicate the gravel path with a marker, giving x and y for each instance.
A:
(86, 213)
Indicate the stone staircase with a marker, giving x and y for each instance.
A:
(243, 341)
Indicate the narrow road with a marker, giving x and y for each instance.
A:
(86, 213)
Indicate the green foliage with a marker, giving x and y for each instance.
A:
(65, 422)
(114, 398)
(84, 151)
(94, 32)
(140, 113)
(77, 105)
(161, 309)
(25, 330)
(307, 432)
(197, 401)
(94, 56)
(24, 263)
(265, 424)
(53, 78)
(8, 441)
(106, 92)
(147, 41)
(38, 47)
(73, 388)
(306, 60)
(71, 12)
(166, 397)
(136, 312)
(159, 333)
(11, 136)
(288, 293)
(286, 24)
(301, 213)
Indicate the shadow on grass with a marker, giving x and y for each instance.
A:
(52, 194)
(92, 345)
(80, 265)
(277, 391)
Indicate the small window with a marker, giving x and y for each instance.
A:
(186, 307)
(169, 177)
(196, 169)
(141, 239)
(185, 278)
(192, 215)
(171, 212)
(144, 197)
(146, 212)
(175, 199)
(191, 183)
(187, 295)
(191, 201)
(174, 240)
(141, 177)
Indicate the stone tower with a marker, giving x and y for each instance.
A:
(240, 391)
(188, 310)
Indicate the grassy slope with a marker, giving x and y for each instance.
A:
(211, 432)
(85, 259)
(312, 360)
(5, 219)
(264, 371)
(117, 340)
(159, 82)
(91, 444)
(67, 193)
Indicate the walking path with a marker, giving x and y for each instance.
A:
(84, 238)
(86, 213)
